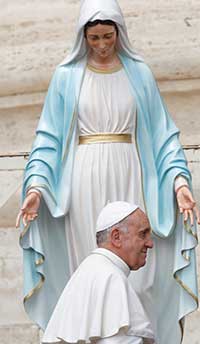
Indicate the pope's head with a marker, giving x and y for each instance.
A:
(124, 229)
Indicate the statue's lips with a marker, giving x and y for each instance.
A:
(103, 52)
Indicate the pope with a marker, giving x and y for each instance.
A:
(98, 304)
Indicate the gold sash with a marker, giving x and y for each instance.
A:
(105, 138)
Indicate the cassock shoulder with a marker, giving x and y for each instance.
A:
(99, 273)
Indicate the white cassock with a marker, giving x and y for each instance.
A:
(99, 306)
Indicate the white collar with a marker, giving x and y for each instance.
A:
(114, 259)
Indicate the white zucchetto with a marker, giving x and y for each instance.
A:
(113, 213)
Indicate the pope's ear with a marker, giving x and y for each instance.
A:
(115, 237)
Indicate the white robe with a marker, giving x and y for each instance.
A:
(98, 302)
(102, 171)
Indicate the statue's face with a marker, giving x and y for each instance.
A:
(102, 40)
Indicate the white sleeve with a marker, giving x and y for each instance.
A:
(120, 338)
(180, 181)
(33, 189)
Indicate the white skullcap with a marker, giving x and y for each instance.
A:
(113, 213)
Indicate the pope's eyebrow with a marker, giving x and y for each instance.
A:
(145, 230)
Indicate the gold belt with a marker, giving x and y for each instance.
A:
(103, 138)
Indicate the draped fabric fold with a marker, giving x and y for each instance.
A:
(44, 241)
(47, 148)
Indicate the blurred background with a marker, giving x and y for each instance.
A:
(35, 36)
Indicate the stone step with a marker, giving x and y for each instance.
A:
(183, 108)
(19, 334)
(161, 31)
(192, 333)
(9, 244)
(18, 128)
(11, 278)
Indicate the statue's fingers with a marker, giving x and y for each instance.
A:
(191, 215)
(185, 214)
(24, 219)
(24, 206)
(31, 217)
(18, 219)
(193, 203)
(197, 214)
(181, 210)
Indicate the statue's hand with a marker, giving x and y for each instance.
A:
(187, 205)
(29, 209)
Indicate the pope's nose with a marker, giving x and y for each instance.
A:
(150, 243)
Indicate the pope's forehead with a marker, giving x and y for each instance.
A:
(139, 219)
